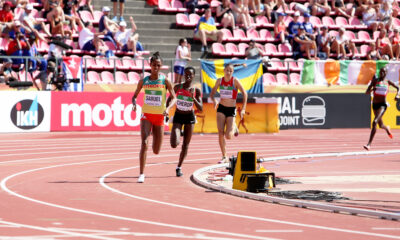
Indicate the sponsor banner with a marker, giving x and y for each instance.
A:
(25, 111)
(92, 111)
(259, 118)
(392, 115)
(323, 110)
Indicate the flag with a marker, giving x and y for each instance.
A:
(250, 75)
(346, 72)
(72, 67)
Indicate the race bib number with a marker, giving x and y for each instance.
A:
(226, 93)
(153, 98)
(184, 103)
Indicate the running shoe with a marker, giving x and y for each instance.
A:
(389, 133)
(366, 147)
(236, 131)
(179, 172)
(141, 178)
(115, 19)
(224, 160)
(121, 19)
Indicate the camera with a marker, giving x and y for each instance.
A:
(60, 80)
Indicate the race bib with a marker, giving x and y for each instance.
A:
(226, 92)
(184, 103)
(153, 98)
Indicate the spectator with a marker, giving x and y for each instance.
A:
(127, 39)
(319, 7)
(340, 8)
(394, 5)
(89, 41)
(70, 13)
(385, 15)
(256, 6)
(57, 21)
(395, 41)
(191, 5)
(280, 29)
(241, 11)
(225, 14)
(6, 14)
(206, 29)
(5, 71)
(269, 10)
(43, 75)
(372, 54)
(324, 42)
(5, 29)
(303, 44)
(182, 55)
(121, 10)
(383, 45)
(33, 24)
(370, 18)
(253, 52)
(106, 24)
(18, 47)
(308, 27)
(294, 25)
(342, 44)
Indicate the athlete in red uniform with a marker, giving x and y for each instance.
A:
(226, 107)
(380, 88)
(187, 97)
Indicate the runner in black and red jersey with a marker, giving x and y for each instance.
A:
(187, 96)
(380, 88)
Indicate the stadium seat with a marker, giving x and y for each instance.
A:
(104, 64)
(90, 63)
(4, 43)
(253, 35)
(266, 34)
(93, 77)
(281, 79)
(232, 49)
(375, 35)
(194, 19)
(333, 33)
(242, 48)
(42, 46)
(219, 50)
(262, 22)
(182, 20)
(292, 64)
(352, 36)
(316, 21)
(96, 16)
(287, 20)
(294, 79)
(356, 24)
(364, 49)
(329, 22)
(270, 50)
(215, 4)
(269, 79)
(300, 63)
(364, 37)
(396, 22)
(86, 16)
(342, 22)
(227, 35)
(133, 77)
(240, 34)
(283, 48)
(165, 7)
(121, 78)
(24, 76)
(178, 6)
(277, 65)
(107, 77)
(141, 63)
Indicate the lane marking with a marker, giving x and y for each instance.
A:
(279, 231)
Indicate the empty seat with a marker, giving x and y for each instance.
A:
(194, 19)
(227, 35)
(107, 77)
(232, 49)
(283, 48)
(240, 34)
(292, 64)
(242, 48)
(86, 16)
(329, 22)
(121, 78)
(281, 79)
(266, 35)
(269, 79)
(253, 35)
(219, 50)
(294, 79)
(364, 37)
(342, 22)
(270, 50)
(182, 20)
(133, 77)
(277, 65)
(93, 77)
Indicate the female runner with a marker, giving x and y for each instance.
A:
(184, 116)
(380, 88)
(226, 107)
(155, 87)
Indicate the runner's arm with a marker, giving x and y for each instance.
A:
(138, 88)
(213, 91)
(171, 95)
(397, 97)
(240, 87)
(197, 100)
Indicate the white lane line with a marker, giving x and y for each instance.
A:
(56, 231)
(102, 182)
(387, 228)
(279, 231)
(3, 185)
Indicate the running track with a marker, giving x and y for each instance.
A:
(83, 186)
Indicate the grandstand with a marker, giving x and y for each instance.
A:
(160, 28)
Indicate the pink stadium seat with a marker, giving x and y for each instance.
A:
(4, 43)
(262, 21)
(364, 37)
(253, 34)
(215, 3)
(239, 34)
(104, 64)
(219, 50)
(287, 20)
(363, 51)
(120, 78)
(90, 63)
(242, 48)
(281, 79)
(178, 6)
(18, 12)
(86, 16)
(300, 63)
(292, 64)
(164, 6)
(194, 19)
(355, 22)
(269, 79)
(352, 36)
(93, 77)
(341, 21)
(283, 48)
(24, 76)
(110, 45)
(133, 77)
(270, 50)
(261, 47)
(228, 35)
(376, 35)
(277, 65)
(333, 33)
(396, 22)
(294, 79)
(182, 20)
(42, 46)
(107, 77)
(232, 49)
(96, 16)
(266, 35)
(329, 22)
(316, 21)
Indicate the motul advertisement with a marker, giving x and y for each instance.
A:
(92, 111)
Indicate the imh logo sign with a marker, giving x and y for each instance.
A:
(27, 114)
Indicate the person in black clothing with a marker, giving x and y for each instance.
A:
(191, 5)
(303, 44)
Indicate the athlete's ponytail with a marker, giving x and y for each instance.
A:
(156, 56)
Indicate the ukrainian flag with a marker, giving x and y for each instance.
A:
(249, 75)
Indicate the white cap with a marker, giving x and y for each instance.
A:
(17, 23)
(105, 9)
(297, 14)
(122, 24)
(29, 6)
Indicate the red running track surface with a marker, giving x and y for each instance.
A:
(83, 186)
